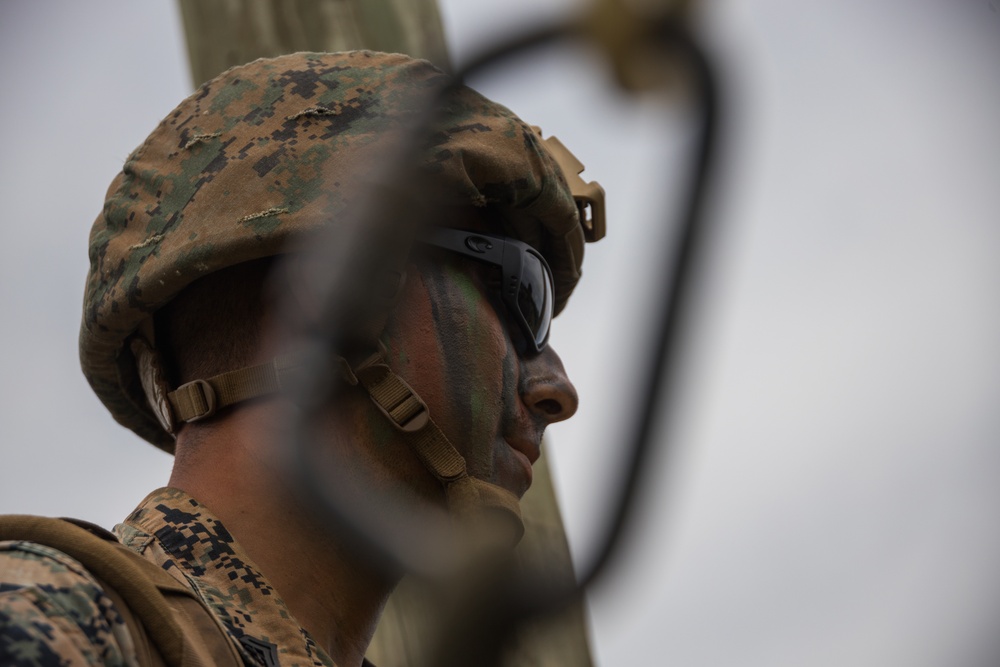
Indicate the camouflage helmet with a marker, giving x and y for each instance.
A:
(271, 150)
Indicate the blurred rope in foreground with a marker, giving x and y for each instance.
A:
(499, 599)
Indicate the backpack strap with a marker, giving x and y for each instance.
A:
(168, 623)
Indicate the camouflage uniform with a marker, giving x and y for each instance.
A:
(53, 612)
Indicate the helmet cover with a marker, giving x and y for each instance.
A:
(270, 151)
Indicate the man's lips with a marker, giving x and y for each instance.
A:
(526, 452)
(529, 448)
(519, 477)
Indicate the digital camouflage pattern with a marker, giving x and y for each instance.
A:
(52, 612)
(173, 530)
(271, 150)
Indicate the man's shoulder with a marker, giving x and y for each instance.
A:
(54, 611)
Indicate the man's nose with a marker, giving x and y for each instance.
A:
(545, 388)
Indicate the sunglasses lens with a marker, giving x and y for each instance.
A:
(535, 297)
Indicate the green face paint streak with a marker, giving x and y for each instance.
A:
(478, 365)
(508, 392)
(454, 305)
(470, 294)
(475, 331)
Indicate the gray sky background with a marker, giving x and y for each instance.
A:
(831, 493)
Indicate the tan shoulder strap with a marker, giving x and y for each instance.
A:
(173, 622)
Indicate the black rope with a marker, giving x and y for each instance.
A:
(506, 607)
(503, 606)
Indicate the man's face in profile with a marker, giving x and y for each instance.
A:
(450, 337)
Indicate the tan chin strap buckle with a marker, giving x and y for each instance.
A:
(391, 394)
(194, 401)
(494, 510)
(200, 399)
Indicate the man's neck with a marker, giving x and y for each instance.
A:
(331, 594)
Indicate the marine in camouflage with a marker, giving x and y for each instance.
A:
(259, 157)
(270, 151)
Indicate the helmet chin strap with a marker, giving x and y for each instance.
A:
(494, 513)
(468, 498)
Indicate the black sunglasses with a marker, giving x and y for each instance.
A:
(526, 288)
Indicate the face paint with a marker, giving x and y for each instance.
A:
(460, 360)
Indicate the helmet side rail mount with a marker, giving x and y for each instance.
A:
(589, 196)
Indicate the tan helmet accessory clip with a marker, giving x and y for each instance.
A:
(587, 195)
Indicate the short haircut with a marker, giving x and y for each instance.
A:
(214, 325)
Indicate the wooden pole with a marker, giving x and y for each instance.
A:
(224, 33)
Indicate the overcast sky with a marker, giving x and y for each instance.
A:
(832, 488)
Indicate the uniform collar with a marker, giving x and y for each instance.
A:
(181, 535)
